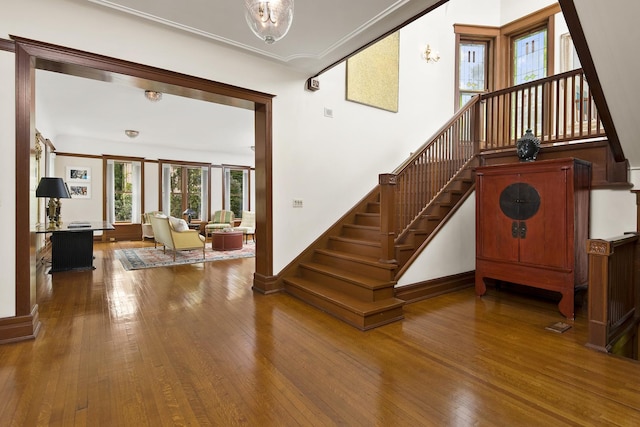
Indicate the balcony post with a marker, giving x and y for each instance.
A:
(387, 217)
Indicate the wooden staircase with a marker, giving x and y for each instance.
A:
(346, 276)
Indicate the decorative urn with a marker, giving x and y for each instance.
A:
(528, 147)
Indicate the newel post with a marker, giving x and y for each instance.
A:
(387, 216)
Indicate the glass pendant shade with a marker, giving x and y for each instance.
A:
(269, 20)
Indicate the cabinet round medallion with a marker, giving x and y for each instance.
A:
(519, 201)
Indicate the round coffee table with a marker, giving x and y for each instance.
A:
(226, 240)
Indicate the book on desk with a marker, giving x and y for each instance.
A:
(79, 224)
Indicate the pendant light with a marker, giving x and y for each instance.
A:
(269, 20)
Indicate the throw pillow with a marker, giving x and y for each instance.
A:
(178, 224)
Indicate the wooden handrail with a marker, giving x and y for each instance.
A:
(423, 176)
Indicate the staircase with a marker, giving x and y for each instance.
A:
(350, 271)
(347, 277)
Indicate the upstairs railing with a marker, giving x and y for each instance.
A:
(558, 109)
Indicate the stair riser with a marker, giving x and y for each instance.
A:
(347, 287)
(360, 322)
(356, 248)
(360, 233)
(373, 208)
(366, 270)
(368, 220)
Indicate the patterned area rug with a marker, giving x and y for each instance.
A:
(148, 257)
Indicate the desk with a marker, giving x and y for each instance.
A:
(72, 248)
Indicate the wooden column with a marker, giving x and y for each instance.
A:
(387, 216)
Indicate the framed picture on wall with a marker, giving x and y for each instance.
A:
(79, 190)
(78, 174)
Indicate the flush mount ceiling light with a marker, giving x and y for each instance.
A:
(269, 20)
(152, 95)
(131, 133)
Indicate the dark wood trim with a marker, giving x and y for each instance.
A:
(183, 163)
(25, 133)
(582, 49)
(20, 328)
(31, 54)
(266, 284)
(431, 288)
(86, 156)
(7, 45)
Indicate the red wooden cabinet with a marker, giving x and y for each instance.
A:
(532, 224)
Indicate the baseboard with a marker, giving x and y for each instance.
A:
(431, 288)
(20, 328)
(266, 284)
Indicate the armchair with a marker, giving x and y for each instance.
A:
(248, 225)
(219, 221)
(167, 234)
(147, 230)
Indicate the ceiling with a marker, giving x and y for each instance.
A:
(322, 33)
(319, 37)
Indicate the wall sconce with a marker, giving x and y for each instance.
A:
(430, 56)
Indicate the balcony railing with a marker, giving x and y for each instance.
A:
(557, 109)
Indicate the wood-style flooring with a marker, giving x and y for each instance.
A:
(195, 346)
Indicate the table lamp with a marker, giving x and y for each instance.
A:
(190, 213)
(55, 189)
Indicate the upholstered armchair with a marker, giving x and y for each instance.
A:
(147, 230)
(174, 233)
(219, 221)
(248, 225)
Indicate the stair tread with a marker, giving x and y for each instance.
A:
(355, 278)
(357, 258)
(355, 305)
(364, 227)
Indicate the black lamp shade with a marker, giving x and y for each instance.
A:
(52, 187)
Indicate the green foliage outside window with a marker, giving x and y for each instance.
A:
(236, 192)
(123, 187)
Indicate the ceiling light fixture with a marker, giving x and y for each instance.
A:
(131, 133)
(152, 95)
(269, 20)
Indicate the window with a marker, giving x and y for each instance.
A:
(529, 56)
(124, 195)
(236, 190)
(472, 69)
(185, 186)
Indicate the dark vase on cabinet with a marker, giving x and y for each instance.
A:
(532, 225)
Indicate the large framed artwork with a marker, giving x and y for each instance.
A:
(373, 74)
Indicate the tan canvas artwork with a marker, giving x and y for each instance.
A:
(373, 74)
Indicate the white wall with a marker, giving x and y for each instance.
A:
(7, 189)
(151, 183)
(80, 209)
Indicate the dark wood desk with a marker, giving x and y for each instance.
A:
(72, 247)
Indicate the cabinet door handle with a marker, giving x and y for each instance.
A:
(515, 229)
(523, 230)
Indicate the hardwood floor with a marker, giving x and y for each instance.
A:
(193, 345)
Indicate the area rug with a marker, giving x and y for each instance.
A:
(148, 257)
